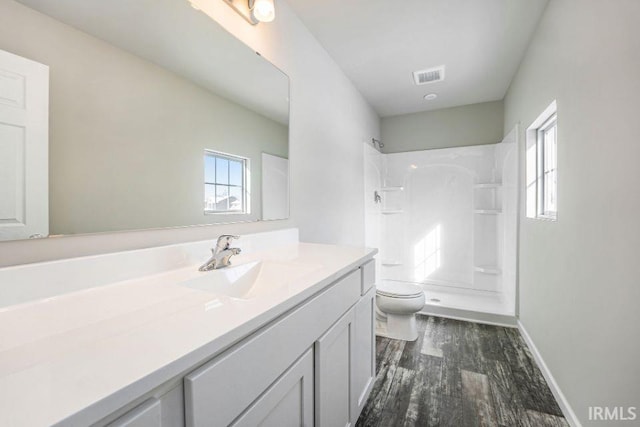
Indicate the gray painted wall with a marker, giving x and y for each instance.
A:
(127, 137)
(580, 276)
(330, 121)
(474, 124)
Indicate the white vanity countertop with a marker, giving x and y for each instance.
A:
(80, 356)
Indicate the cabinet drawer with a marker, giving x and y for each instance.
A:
(219, 391)
(368, 276)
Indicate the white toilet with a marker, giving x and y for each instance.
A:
(397, 304)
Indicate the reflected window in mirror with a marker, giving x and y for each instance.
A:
(226, 183)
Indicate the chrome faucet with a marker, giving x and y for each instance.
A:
(221, 254)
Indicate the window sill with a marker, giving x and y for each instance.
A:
(226, 213)
(543, 218)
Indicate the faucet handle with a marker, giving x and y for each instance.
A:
(225, 240)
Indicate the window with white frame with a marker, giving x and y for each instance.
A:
(542, 166)
(225, 183)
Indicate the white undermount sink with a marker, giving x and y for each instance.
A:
(246, 281)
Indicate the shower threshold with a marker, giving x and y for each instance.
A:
(468, 304)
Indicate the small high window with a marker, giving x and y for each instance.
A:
(225, 183)
(542, 166)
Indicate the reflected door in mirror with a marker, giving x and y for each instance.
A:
(24, 110)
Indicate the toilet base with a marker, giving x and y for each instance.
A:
(398, 327)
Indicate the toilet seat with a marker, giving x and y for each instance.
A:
(399, 290)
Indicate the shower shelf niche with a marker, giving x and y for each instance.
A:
(488, 269)
(389, 189)
(391, 211)
(488, 211)
(488, 185)
(487, 198)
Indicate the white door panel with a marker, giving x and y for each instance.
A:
(24, 130)
(11, 174)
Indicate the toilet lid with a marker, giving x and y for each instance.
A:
(398, 289)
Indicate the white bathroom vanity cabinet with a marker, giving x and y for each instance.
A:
(314, 365)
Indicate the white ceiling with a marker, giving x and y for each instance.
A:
(172, 34)
(379, 43)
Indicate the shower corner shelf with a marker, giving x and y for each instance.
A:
(391, 211)
(388, 189)
(488, 269)
(391, 263)
(487, 211)
(488, 185)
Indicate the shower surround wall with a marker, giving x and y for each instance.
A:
(449, 221)
(373, 172)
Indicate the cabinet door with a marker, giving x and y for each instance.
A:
(149, 414)
(334, 362)
(288, 402)
(364, 363)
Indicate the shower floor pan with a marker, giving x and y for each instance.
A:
(468, 304)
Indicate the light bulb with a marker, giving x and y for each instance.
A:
(264, 10)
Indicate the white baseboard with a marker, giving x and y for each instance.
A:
(553, 385)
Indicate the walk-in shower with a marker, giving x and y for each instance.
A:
(446, 219)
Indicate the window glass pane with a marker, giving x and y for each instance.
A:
(550, 196)
(209, 197)
(235, 172)
(222, 171)
(209, 169)
(541, 166)
(222, 198)
(550, 149)
(235, 199)
(225, 183)
(531, 180)
(550, 172)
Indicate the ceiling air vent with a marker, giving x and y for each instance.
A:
(431, 75)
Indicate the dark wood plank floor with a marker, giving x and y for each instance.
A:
(459, 374)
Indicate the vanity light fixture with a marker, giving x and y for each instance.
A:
(264, 10)
(254, 11)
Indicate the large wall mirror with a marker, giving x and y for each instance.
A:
(134, 114)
